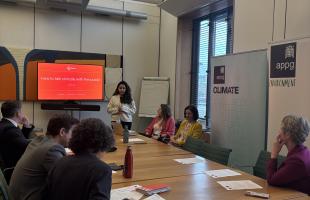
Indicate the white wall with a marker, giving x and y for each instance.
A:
(57, 30)
(105, 38)
(168, 43)
(259, 22)
(279, 19)
(252, 24)
(297, 19)
(17, 26)
(137, 40)
(141, 51)
(183, 67)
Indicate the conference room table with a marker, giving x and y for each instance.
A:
(154, 163)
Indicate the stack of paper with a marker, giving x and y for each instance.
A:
(187, 161)
(239, 185)
(222, 173)
(126, 192)
(154, 197)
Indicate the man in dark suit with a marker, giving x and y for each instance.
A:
(30, 173)
(13, 140)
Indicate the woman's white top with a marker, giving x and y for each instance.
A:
(115, 106)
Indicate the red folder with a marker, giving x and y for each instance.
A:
(153, 189)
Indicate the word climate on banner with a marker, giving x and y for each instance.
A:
(219, 78)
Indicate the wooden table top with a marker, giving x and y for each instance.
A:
(145, 150)
(119, 139)
(201, 186)
(152, 148)
(154, 164)
(162, 167)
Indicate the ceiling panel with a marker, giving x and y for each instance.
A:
(181, 7)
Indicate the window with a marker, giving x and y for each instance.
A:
(212, 36)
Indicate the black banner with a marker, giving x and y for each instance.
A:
(283, 61)
(219, 75)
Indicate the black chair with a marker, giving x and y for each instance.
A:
(260, 168)
(193, 145)
(216, 153)
(7, 172)
(4, 189)
(208, 151)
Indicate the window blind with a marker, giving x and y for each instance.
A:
(212, 36)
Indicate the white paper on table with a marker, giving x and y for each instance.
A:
(154, 197)
(186, 161)
(136, 140)
(133, 140)
(132, 133)
(239, 185)
(222, 173)
(113, 172)
(126, 192)
(69, 151)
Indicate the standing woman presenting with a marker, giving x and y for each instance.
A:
(122, 105)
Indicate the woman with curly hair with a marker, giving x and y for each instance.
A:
(121, 105)
(83, 176)
(162, 126)
(294, 172)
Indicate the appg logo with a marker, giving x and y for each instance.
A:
(283, 61)
(219, 75)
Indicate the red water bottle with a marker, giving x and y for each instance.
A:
(128, 163)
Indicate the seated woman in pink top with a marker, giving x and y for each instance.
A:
(162, 126)
(294, 172)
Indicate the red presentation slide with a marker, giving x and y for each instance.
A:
(70, 82)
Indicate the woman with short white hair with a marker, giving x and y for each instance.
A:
(294, 172)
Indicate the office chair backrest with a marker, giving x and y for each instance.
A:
(216, 153)
(208, 151)
(260, 168)
(4, 189)
(7, 172)
(194, 145)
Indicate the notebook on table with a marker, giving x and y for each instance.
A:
(153, 189)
